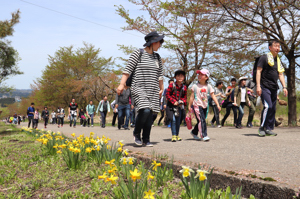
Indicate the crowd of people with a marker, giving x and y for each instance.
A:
(141, 96)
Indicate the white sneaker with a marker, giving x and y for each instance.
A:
(92, 125)
(219, 126)
(152, 125)
(81, 125)
(205, 139)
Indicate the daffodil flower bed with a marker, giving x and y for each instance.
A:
(126, 177)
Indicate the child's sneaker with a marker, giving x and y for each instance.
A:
(195, 136)
(178, 138)
(205, 139)
(137, 141)
(173, 138)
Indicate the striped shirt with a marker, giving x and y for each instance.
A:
(145, 81)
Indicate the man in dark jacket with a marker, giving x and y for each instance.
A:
(45, 116)
(30, 113)
(123, 106)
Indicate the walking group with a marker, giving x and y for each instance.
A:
(141, 96)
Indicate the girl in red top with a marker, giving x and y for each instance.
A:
(176, 95)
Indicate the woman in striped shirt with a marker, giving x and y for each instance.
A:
(147, 85)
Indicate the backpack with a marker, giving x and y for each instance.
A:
(129, 80)
(254, 71)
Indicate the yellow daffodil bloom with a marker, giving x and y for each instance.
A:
(112, 179)
(120, 143)
(123, 160)
(105, 141)
(58, 133)
(55, 147)
(92, 134)
(155, 165)
(120, 149)
(135, 175)
(76, 150)
(111, 163)
(108, 147)
(150, 176)
(186, 171)
(63, 146)
(108, 138)
(59, 151)
(113, 170)
(130, 160)
(201, 174)
(88, 150)
(98, 148)
(149, 194)
(73, 134)
(104, 176)
(125, 152)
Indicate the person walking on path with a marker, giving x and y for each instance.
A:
(45, 116)
(230, 97)
(104, 108)
(166, 120)
(200, 102)
(269, 70)
(176, 96)
(90, 112)
(73, 110)
(219, 93)
(241, 99)
(30, 114)
(115, 111)
(123, 106)
(36, 118)
(53, 116)
(162, 110)
(147, 85)
(252, 97)
(60, 116)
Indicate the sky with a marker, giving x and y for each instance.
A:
(41, 32)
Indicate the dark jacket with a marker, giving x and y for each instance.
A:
(45, 114)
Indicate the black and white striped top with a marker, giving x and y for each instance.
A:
(145, 81)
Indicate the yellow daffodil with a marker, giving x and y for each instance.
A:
(108, 138)
(186, 171)
(76, 150)
(150, 176)
(105, 141)
(88, 150)
(36, 135)
(92, 134)
(112, 179)
(73, 134)
(125, 152)
(111, 163)
(98, 148)
(108, 147)
(55, 147)
(120, 149)
(120, 143)
(63, 146)
(155, 165)
(130, 160)
(123, 160)
(58, 133)
(135, 175)
(201, 174)
(112, 170)
(104, 176)
(149, 194)
(59, 151)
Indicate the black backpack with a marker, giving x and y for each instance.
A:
(254, 71)
(129, 80)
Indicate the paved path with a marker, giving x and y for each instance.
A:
(239, 150)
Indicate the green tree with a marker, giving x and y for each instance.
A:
(75, 73)
(8, 55)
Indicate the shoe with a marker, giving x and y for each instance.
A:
(74, 126)
(219, 126)
(57, 126)
(261, 132)
(178, 138)
(239, 126)
(148, 144)
(173, 138)
(195, 136)
(152, 125)
(277, 123)
(222, 123)
(249, 125)
(92, 125)
(270, 133)
(169, 126)
(137, 141)
(88, 125)
(206, 139)
(127, 128)
(81, 125)
(212, 124)
(123, 127)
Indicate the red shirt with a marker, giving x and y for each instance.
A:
(172, 94)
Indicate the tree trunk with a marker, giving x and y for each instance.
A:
(292, 102)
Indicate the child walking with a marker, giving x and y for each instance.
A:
(200, 102)
(177, 96)
(36, 118)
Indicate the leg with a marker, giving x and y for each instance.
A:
(267, 103)
(241, 114)
(178, 121)
(197, 115)
(173, 126)
(203, 112)
(215, 109)
(114, 119)
(147, 126)
(102, 119)
(105, 113)
(141, 119)
(154, 116)
(251, 112)
(127, 113)
(228, 107)
(74, 118)
(162, 115)
(234, 109)
(121, 109)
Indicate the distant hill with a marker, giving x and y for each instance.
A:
(22, 93)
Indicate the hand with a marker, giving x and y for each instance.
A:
(132, 107)
(160, 93)
(120, 89)
(219, 108)
(285, 92)
(165, 106)
(176, 103)
(190, 109)
(180, 102)
(258, 90)
(249, 104)
(234, 104)
(223, 96)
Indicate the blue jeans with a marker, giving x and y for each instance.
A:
(269, 99)
(200, 116)
(132, 116)
(143, 122)
(123, 110)
(103, 117)
(175, 123)
(92, 119)
(73, 118)
(241, 113)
